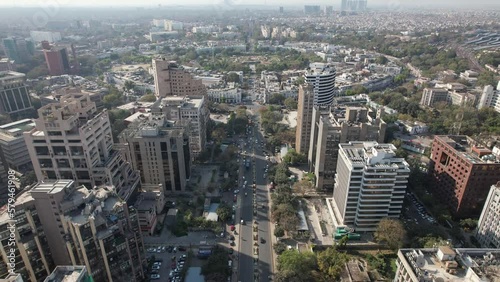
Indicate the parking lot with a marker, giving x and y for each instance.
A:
(167, 263)
(417, 212)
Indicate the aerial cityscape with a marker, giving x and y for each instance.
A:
(234, 141)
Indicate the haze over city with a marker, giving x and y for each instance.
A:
(249, 141)
(481, 4)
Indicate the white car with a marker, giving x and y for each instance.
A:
(236, 191)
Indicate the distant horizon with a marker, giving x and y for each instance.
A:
(479, 4)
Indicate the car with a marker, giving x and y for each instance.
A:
(157, 267)
(262, 241)
(157, 263)
(232, 228)
(155, 276)
(235, 198)
(242, 222)
(236, 191)
(158, 250)
(183, 257)
(182, 249)
(151, 250)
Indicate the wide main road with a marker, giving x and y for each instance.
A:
(255, 258)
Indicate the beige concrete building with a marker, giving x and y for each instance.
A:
(431, 96)
(192, 110)
(95, 96)
(14, 96)
(32, 254)
(335, 126)
(488, 227)
(69, 274)
(159, 149)
(13, 145)
(304, 118)
(94, 228)
(370, 184)
(72, 140)
(171, 79)
(446, 264)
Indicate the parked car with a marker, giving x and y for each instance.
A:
(157, 267)
(155, 276)
(182, 249)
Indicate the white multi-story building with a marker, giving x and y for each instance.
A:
(322, 77)
(488, 227)
(370, 184)
(72, 140)
(39, 36)
(490, 98)
(203, 29)
(13, 146)
(443, 263)
(173, 25)
(229, 96)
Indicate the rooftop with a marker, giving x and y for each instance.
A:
(474, 151)
(5, 76)
(67, 274)
(467, 265)
(52, 187)
(15, 129)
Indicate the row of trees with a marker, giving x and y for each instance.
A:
(284, 203)
(280, 99)
(298, 266)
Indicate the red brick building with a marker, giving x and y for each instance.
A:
(462, 172)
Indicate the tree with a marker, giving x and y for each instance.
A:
(486, 78)
(233, 77)
(468, 223)
(277, 99)
(215, 277)
(27, 179)
(218, 134)
(331, 263)
(290, 103)
(292, 157)
(381, 60)
(279, 231)
(302, 264)
(279, 248)
(224, 212)
(216, 263)
(148, 98)
(129, 84)
(302, 187)
(300, 80)
(390, 231)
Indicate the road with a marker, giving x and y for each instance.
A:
(255, 256)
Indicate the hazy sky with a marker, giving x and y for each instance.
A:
(52, 3)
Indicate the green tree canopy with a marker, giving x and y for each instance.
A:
(331, 263)
(148, 98)
(290, 103)
(224, 211)
(301, 263)
(390, 231)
